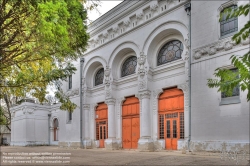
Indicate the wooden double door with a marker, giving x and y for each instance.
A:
(101, 124)
(171, 117)
(130, 123)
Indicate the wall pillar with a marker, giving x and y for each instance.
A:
(86, 129)
(111, 142)
(145, 142)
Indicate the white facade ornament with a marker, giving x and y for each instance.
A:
(72, 92)
(110, 101)
(115, 29)
(197, 55)
(86, 106)
(126, 23)
(145, 94)
(28, 110)
(141, 61)
(105, 35)
(156, 94)
(154, 7)
(212, 50)
(228, 45)
(186, 42)
(139, 15)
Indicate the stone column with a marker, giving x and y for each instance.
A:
(111, 142)
(145, 142)
(86, 138)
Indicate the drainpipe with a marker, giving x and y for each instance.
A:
(49, 115)
(188, 10)
(81, 67)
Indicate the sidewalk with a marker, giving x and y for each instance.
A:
(53, 155)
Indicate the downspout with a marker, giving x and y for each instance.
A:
(188, 10)
(49, 115)
(81, 67)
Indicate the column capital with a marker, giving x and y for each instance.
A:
(145, 94)
(110, 101)
(86, 106)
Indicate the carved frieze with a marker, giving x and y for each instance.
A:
(214, 48)
(139, 15)
(72, 92)
(86, 106)
(145, 94)
(154, 7)
(28, 110)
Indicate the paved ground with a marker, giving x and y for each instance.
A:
(44, 154)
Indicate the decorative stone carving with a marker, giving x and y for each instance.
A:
(197, 55)
(186, 42)
(86, 106)
(212, 50)
(126, 23)
(105, 35)
(107, 76)
(119, 104)
(115, 29)
(247, 41)
(28, 110)
(154, 7)
(139, 15)
(142, 85)
(141, 61)
(110, 101)
(145, 94)
(72, 92)
(228, 45)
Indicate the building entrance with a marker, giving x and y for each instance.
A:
(130, 123)
(171, 117)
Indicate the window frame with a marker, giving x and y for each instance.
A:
(165, 45)
(230, 99)
(123, 63)
(220, 9)
(99, 69)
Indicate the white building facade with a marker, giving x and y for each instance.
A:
(138, 91)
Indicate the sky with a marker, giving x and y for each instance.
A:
(104, 7)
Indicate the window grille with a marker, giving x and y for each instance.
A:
(228, 26)
(161, 126)
(170, 52)
(129, 66)
(181, 125)
(99, 77)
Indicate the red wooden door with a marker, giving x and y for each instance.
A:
(171, 119)
(102, 135)
(130, 123)
(101, 124)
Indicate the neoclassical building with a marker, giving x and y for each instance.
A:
(142, 83)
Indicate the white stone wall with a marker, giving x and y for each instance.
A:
(215, 126)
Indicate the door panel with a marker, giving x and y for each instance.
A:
(126, 133)
(135, 132)
(102, 135)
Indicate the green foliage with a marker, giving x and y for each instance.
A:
(37, 40)
(228, 79)
(2, 118)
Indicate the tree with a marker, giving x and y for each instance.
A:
(38, 39)
(229, 79)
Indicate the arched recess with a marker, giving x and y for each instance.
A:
(171, 117)
(120, 54)
(171, 30)
(91, 68)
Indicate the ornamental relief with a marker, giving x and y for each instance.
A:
(220, 46)
(72, 92)
(28, 110)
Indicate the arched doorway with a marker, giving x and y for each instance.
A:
(171, 117)
(55, 126)
(101, 123)
(130, 123)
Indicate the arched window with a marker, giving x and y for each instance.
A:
(228, 26)
(170, 52)
(99, 77)
(129, 66)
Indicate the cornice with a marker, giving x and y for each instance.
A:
(124, 17)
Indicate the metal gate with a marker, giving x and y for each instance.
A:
(130, 123)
